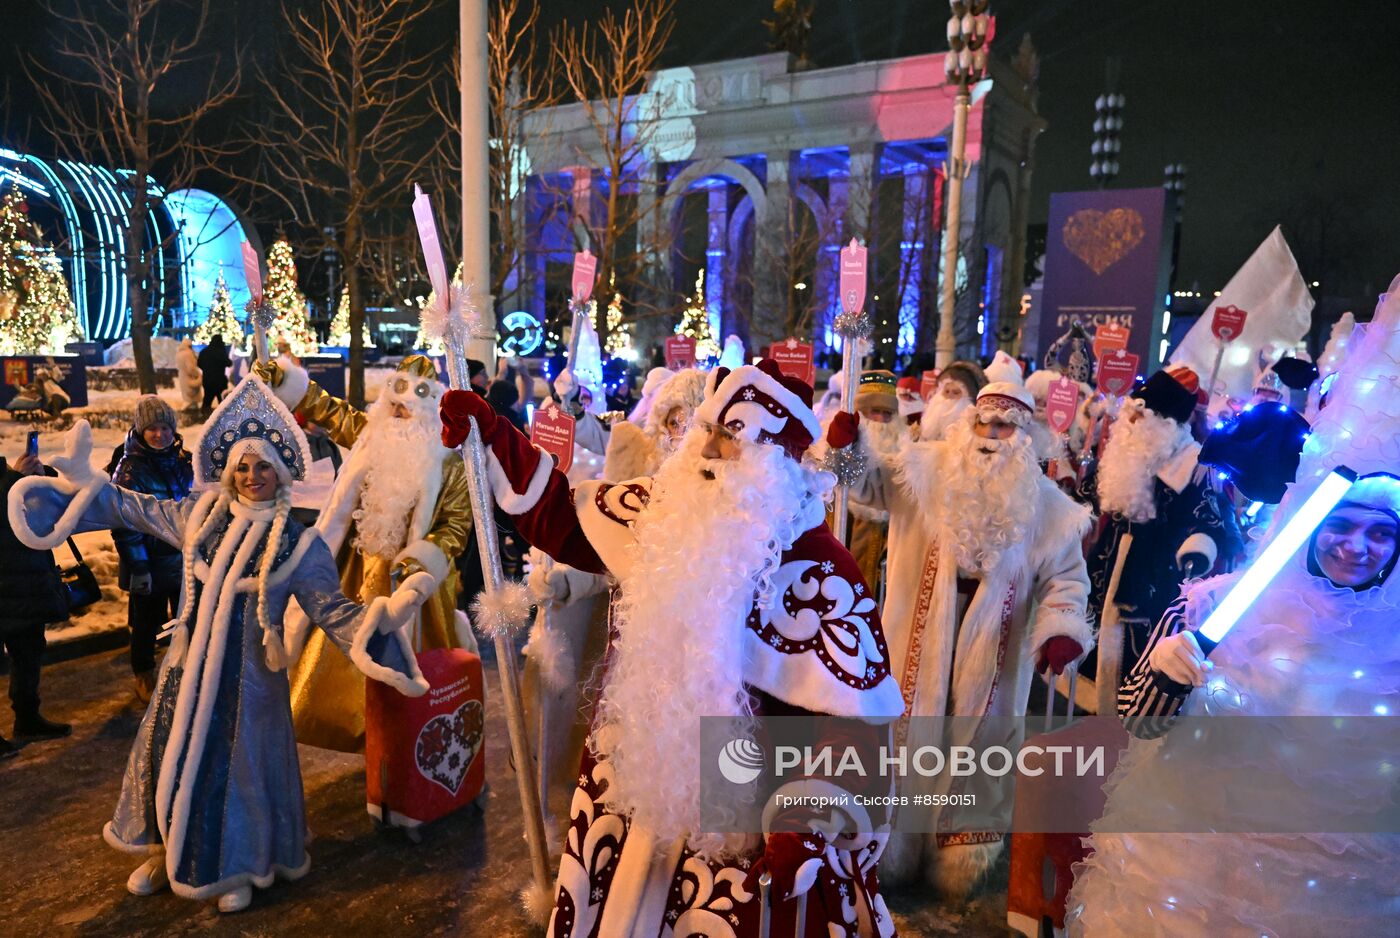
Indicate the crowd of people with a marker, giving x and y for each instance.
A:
(685, 567)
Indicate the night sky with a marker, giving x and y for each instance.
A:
(1282, 111)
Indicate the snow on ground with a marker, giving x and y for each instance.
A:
(96, 546)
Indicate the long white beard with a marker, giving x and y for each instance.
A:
(939, 416)
(885, 438)
(1131, 459)
(705, 552)
(403, 455)
(987, 503)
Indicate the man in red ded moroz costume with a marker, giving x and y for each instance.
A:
(735, 599)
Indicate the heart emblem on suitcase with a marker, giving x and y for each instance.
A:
(448, 743)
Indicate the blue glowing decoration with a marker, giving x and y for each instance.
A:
(83, 209)
(520, 334)
(1268, 564)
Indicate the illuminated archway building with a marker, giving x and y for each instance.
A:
(759, 174)
(80, 209)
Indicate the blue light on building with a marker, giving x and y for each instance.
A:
(82, 212)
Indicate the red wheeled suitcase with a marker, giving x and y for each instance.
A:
(423, 755)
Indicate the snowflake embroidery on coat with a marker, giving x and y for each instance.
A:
(822, 612)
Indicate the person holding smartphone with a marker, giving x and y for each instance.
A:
(31, 595)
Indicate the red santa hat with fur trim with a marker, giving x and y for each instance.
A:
(760, 404)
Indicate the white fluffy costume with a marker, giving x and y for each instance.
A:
(1306, 647)
(400, 501)
(212, 792)
(734, 598)
(984, 567)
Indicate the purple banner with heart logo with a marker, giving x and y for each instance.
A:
(1107, 260)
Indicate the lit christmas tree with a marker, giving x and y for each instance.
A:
(281, 291)
(695, 322)
(36, 310)
(340, 326)
(222, 319)
(619, 341)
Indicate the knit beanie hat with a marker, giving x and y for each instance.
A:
(151, 409)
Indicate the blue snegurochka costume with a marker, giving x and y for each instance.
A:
(213, 778)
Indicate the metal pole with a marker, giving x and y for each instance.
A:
(850, 363)
(484, 521)
(946, 347)
(476, 174)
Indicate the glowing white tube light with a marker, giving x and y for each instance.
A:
(1268, 564)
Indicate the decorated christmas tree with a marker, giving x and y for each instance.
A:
(695, 322)
(619, 341)
(340, 326)
(36, 310)
(281, 291)
(222, 319)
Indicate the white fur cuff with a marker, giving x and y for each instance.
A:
(1051, 621)
(511, 502)
(410, 685)
(83, 493)
(429, 556)
(1198, 543)
(295, 383)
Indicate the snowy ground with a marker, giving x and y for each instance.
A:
(96, 546)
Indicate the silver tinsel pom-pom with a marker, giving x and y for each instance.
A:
(261, 314)
(853, 326)
(847, 464)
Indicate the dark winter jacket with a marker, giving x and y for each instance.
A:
(214, 363)
(31, 592)
(166, 474)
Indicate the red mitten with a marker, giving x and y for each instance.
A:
(793, 860)
(1056, 654)
(456, 408)
(843, 430)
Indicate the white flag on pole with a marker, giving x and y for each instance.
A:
(1271, 289)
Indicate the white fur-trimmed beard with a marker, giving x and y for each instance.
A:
(986, 502)
(402, 454)
(705, 552)
(1134, 453)
(940, 414)
(885, 438)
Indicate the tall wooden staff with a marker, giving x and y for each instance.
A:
(503, 608)
(854, 327)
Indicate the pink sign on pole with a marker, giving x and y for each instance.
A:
(553, 432)
(1118, 372)
(1062, 404)
(585, 272)
(252, 271)
(680, 352)
(795, 358)
(1227, 323)
(853, 277)
(1110, 337)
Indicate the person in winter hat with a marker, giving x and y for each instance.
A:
(211, 798)
(1295, 847)
(987, 585)
(712, 556)
(154, 462)
(958, 385)
(399, 506)
(1162, 520)
(911, 401)
(31, 596)
(639, 451)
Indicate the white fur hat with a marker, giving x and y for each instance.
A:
(1004, 368)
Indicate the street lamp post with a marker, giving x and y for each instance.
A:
(969, 34)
